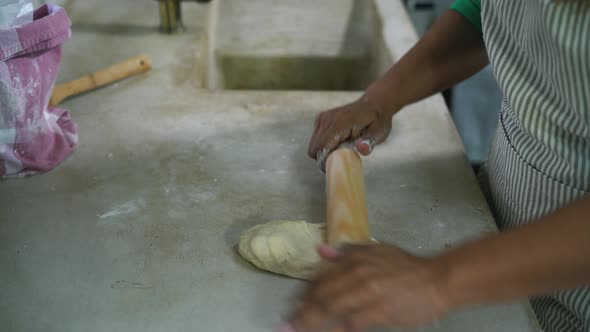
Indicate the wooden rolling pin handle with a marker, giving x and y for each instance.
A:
(347, 215)
(133, 66)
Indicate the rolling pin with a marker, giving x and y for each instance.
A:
(130, 67)
(347, 215)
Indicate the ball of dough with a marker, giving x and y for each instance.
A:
(283, 247)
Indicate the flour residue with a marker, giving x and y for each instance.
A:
(180, 200)
(125, 208)
(19, 107)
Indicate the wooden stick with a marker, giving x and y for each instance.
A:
(345, 189)
(130, 67)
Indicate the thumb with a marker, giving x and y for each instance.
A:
(375, 133)
(364, 145)
(328, 252)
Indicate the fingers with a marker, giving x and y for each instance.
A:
(320, 158)
(326, 135)
(353, 279)
(330, 286)
(346, 287)
(343, 288)
(352, 312)
(317, 317)
(356, 321)
(316, 136)
(285, 327)
(325, 139)
(345, 302)
(331, 145)
(310, 318)
(348, 123)
(363, 319)
(311, 150)
(332, 142)
(366, 286)
(336, 126)
(328, 252)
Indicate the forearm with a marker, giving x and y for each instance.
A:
(451, 51)
(547, 255)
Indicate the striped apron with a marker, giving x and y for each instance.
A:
(540, 157)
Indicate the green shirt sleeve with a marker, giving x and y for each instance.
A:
(470, 9)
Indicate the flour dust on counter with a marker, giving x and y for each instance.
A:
(284, 247)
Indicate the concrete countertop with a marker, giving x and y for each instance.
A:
(136, 231)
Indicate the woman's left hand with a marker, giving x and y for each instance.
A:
(368, 286)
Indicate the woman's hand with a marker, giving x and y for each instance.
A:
(362, 122)
(368, 286)
(451, 51)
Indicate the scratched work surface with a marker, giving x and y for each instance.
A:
(136, 231)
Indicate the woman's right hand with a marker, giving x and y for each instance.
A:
(362, 122)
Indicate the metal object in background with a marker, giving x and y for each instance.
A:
(423, 14)
(171, 15)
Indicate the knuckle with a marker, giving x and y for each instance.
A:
(305, 314)
(357, 324)
(318, 292)
(316, 122)
(374, 286)
(364, 321)
(359, 271)
(355, 131)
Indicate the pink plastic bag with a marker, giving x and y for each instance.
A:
(33, 136)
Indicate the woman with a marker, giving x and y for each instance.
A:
(537, 176)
